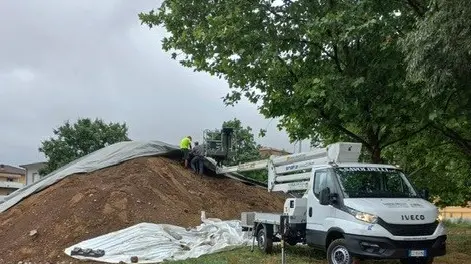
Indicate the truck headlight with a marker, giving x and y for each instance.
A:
(362, 216)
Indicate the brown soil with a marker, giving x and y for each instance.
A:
(84, 206)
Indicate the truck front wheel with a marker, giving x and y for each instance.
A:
(265, 243)
(337, 253)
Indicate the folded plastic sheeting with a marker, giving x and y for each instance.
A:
(152, 243)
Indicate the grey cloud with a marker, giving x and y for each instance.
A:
(62, 60)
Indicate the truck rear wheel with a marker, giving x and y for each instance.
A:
(337, 253)
(417, 261)
(265, 240)
(292, 241)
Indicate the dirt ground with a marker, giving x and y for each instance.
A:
(84, 206)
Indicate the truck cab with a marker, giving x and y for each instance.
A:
(370, 211)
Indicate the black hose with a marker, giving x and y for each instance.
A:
(254, 234)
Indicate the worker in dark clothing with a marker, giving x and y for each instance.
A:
(197, 162)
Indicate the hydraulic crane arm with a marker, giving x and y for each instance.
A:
(293, 172)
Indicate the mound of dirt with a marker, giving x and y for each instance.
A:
(156, 190)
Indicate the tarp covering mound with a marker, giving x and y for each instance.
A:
(153, 243)
(102, 158)
(90, 198)
(106, 157)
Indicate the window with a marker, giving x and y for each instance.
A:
(362, 182)
(35, 177)
(394, 184)
(322, 179)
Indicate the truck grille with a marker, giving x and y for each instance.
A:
(409, 230)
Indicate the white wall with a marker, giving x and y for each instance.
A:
(32, 173)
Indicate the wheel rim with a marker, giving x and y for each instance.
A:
(340, 255)
(261, 240)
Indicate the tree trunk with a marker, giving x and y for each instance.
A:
(376, 155)
(374, 146)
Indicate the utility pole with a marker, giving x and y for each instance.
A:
(299, 142)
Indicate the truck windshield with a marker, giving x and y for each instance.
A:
(374, 182)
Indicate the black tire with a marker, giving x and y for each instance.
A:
(337, 253)
(428, 260)
(265, 243)
(292, 242)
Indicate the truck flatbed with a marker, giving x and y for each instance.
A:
(249, 219)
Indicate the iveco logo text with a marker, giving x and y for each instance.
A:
(413, 217)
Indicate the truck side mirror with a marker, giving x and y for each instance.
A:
(333, 198)
(424, 194)
(324, 196)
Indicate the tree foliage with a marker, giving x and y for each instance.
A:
(246, 147)
(439, 58)
(329, 69)
(392, 75)
(72, 141)
(439, 62)
(432, 161)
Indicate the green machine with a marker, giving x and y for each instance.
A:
(219, 144)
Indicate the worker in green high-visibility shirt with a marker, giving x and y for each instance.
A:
(185, 146)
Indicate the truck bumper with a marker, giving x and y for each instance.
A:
(385, 248)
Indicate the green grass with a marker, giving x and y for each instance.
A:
(458, 247)
(459, 223)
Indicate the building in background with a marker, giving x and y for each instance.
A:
(266, 152)
(32, 171)
(11, 179)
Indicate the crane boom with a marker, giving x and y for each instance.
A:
(292, 172)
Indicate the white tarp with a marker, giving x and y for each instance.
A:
(102, 158)
(153, 243)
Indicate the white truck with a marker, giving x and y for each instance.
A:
(346, 208)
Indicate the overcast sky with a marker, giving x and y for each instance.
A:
(63, 60)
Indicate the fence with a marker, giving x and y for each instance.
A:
(455, 212)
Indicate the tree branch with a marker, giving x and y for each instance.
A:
(352, 135)
(406, 136)
(279, 16)
(377, 131)
(448, 101)
(399, 31)
(336, 58)
(417, 170)
(419, 10)
(288, 68)
(319, 46)
(454, 136)
(343, 129)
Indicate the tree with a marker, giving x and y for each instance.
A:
(438, 61)
(432, 161)
(247, 148)
(334, 70)
(438, 58)
(72, 141)
(329, 69)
